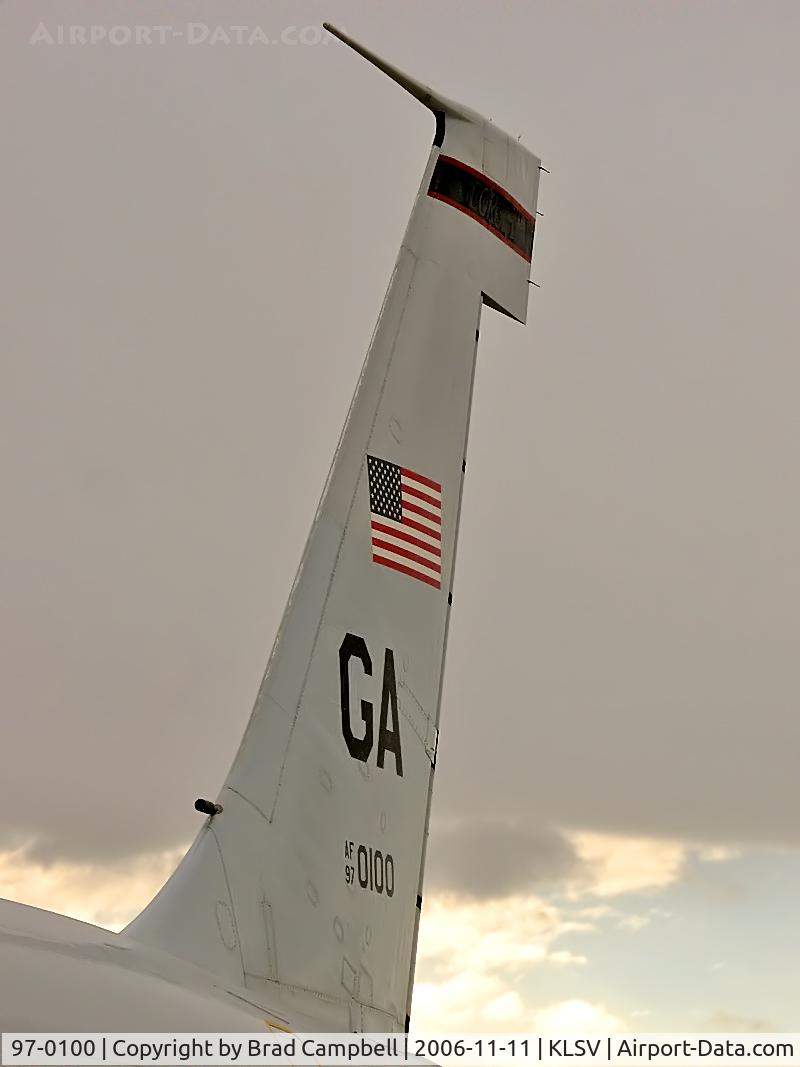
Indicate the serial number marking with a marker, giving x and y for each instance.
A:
(369, 868)
(76, 1047)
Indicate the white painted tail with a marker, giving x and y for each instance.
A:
(307, 886)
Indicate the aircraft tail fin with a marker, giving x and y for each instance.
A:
(307, 886)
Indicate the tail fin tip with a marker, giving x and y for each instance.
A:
(419, 90)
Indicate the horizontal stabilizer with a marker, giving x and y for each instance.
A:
(420, 91)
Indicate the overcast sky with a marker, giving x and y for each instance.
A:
(197, 238)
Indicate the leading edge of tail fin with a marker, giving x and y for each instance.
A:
(306, 887)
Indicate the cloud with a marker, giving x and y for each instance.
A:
(595, 911)
(506, 934)
(634, 922)
(576, 1017)
(504, 1009)
(725, 1022)
(718, 853)
(470, 1001)
(620, 864)
(475, 956)
(108, 895)
(492, 857)
(565, 958)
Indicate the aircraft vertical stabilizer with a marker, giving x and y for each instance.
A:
(308, 884)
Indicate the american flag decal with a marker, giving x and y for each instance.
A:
(406, 516)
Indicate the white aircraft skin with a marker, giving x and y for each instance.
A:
(297, 907)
